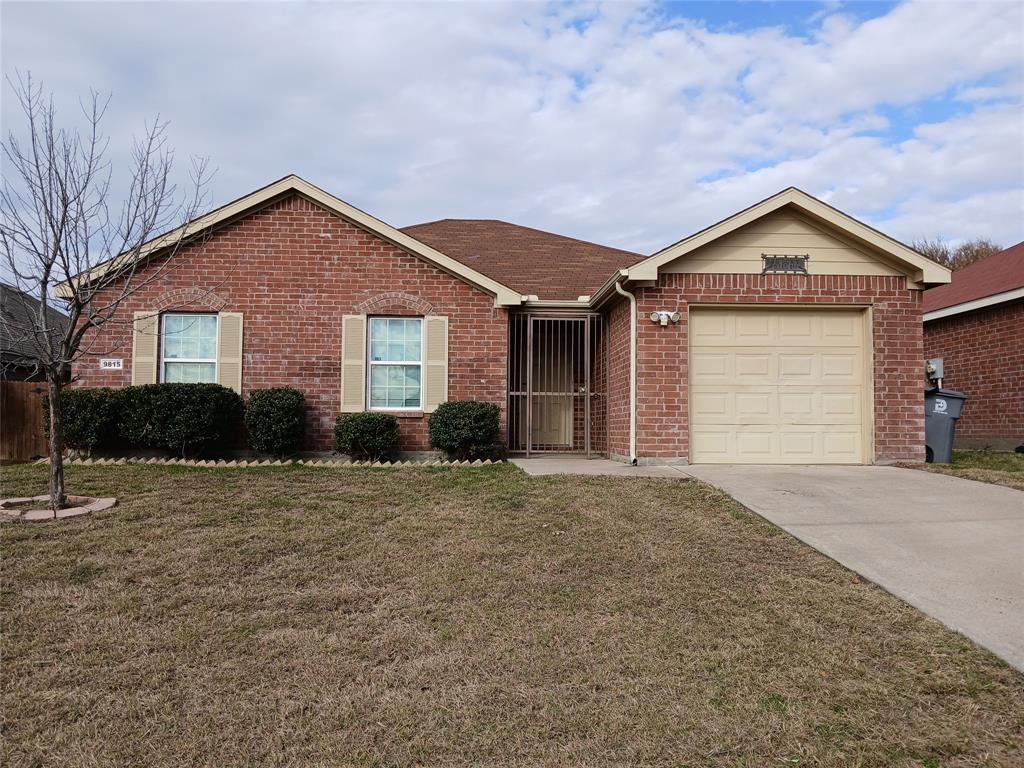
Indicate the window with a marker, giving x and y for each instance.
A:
(395, 364)
(188, 351)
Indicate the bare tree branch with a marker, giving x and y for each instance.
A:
(57, 231)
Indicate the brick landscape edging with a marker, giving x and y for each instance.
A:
(268, 463)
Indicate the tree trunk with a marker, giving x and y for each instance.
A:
(57, 495)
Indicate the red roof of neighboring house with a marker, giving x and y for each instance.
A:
(528, 260)
(1000, 272)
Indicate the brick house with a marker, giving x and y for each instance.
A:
(787, 333)
(976, 324)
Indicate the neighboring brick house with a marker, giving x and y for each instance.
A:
(788, 333)
(976, 324)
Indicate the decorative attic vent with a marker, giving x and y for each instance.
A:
(784, 263)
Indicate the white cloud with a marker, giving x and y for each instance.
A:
(611, 122)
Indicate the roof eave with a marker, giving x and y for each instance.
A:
(974, 304)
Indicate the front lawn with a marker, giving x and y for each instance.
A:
(996, 467)
(356, 616)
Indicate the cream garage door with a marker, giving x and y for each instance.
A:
(770, 386)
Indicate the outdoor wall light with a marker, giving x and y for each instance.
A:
(662, 316)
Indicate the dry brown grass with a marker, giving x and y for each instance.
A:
(995, 467)
(464, 617)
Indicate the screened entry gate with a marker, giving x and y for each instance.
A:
(557, 384)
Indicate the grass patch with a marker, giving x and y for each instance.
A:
(995, 467)
(450, 617)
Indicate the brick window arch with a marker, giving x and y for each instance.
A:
(184, 298)
(394, 300)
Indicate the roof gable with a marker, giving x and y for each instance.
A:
(503, 295)
(919, 269)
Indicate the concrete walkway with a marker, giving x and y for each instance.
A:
(575, 465)
(952, 548)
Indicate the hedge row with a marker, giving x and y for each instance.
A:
(187, 419)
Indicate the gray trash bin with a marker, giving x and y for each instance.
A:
(941, 410)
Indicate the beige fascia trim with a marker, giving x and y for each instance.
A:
(533, 302)
(970, 306)
(503, 295)
(607, 289)
(918, 268)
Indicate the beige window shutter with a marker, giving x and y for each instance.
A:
(353, 363)
(435, 361)
(229, 350)
(145, 347)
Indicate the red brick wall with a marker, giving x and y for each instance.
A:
(663, 431)
(617, 335)
(984, 357)
(293, 270)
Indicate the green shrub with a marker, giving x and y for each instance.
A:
(366, 435)
(276, 420)
(465, 429)
(88, 417)
(182, 418)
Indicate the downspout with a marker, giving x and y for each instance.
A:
(632, 369)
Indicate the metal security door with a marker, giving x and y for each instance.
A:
(552, 393)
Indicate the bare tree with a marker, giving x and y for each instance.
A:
(65, 240)
(959, 256)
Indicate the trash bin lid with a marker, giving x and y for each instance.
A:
(943, 392)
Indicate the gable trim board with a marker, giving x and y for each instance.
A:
(503, 295)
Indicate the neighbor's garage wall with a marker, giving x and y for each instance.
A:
(984, 357)
(293, 270)
(663, 375)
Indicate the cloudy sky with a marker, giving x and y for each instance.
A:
(627, 124)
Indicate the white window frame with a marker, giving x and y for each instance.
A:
(370, 363)
(163, 336)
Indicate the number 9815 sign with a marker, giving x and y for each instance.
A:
(111, 364)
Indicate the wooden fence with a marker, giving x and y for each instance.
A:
(21, 425)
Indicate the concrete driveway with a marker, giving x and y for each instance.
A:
(952, 548)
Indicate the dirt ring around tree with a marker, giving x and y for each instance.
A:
(27, 508)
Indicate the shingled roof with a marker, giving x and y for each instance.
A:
(17, 312)
(528, 260)
(999, 273)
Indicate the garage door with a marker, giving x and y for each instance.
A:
(777, 386)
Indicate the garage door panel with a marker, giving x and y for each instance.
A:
(752, 328)
(710, 328)
(843, 328)
(711, 367)
(757, 445)
(842, 367)
(838, 445)
(797, 327)
(755, 367)
(714, 444)
(736, 406)
(728, 406)
(777, 386)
